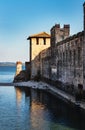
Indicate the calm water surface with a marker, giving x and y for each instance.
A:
(7, 73)
(29, 109)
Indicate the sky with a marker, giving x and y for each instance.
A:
(22, 18)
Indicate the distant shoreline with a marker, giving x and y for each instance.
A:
(7, 84)
(9, 64)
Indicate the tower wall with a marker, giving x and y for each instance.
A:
(38, 43)
(84, 48)
(18, 67)
(58, 34)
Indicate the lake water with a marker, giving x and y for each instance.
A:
(7, 73)
(29, 109)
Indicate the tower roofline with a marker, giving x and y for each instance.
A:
(40, 35)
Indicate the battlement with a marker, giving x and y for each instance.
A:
(57, 25)
(58, 34)
(66, 26)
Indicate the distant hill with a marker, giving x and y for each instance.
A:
(7, 64)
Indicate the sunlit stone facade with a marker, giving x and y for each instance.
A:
(38, 42)
(64, 60)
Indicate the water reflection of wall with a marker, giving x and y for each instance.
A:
(40, 110)
(18, 95)
(20, 91)
(37, 110)
(23, 107)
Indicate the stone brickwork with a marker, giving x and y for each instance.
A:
(58, 34)
(67, 64)
(45, 63)
(64, 60)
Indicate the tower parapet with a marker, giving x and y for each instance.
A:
(66, 29)
(58, 34)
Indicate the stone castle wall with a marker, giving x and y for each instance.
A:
(68, 60)
(63, 62)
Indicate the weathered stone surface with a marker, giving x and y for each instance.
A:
(20, 77)
(64, 61)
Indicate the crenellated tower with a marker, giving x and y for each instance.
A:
(58, 34)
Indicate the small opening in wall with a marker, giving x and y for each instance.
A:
(37, 41)
(44, 41)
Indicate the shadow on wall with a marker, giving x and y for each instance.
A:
(37, 77)
(20, 77)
